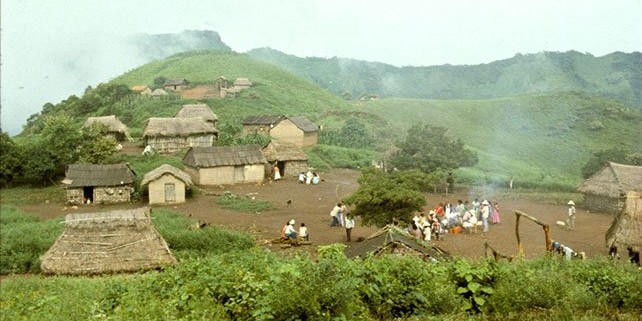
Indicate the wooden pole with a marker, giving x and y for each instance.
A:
(520, 249)
(546, 227)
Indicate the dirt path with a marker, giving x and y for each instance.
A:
(311, 204)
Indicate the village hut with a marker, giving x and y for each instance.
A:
(242, 83)
(169, 135)
(297, 130)
(290, 159)
(606, 190)
(175, 84)
(107, 242)
(391, 240)
(197, 110)
(159, 93)
(222, 165)
(112, 124)
(626, 230)
(166, 185)
(142, 89)
(102, 184)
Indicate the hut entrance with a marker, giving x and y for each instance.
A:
(170, 192)
(281, 166)
(88, 193)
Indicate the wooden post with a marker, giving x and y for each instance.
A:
(546, 227)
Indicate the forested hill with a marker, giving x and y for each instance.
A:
(615, 76)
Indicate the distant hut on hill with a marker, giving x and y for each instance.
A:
(223, 165)
(197, 110)
(113, 125)
(107, 242)
(290, 159)
(166, 185)
(606, 190)
(159, 93)
(142, 89)
(391, 240)
(175, 84)
(242, 83)
(297, 130)
(626, 230)
(169, 135)
(102, 184)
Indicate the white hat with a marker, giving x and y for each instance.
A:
(291, 222)
(485, 202)
(571, 203)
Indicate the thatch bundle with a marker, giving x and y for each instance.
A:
(171, 127)
(626, 229)
(112, 124)
(613, 181)
(195, 111)
(107, 242)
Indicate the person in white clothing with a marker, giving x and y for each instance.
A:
(290, 232)
(485, 214)
(570, 222)
(349, 225)
(303, 232)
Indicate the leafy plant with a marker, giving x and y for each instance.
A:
(474, 283)
(242, 203)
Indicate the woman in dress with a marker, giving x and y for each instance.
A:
(494, 216)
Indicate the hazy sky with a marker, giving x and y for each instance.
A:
(55, 48)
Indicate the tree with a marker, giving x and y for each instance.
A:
(428, 148)
(600, 158)
(10, 160)
(159, 81)
(96, 146)
(382, 196)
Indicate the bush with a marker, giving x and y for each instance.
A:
(242, 203)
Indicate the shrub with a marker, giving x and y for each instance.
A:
(242, 203)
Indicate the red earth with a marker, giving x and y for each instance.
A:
(311, 204)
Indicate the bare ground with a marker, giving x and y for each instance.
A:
(311, 204)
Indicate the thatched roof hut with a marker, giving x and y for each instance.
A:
(220, 165)
(166, 169)
(159, 92)
(391, 240)
(304, 124)
(114, 126)
(289, 158)
(171, 127)
(242, 83)
(197, 110)
(96, 183)
(626, 229)
(107, 242)
(167, 185)
(605, 190)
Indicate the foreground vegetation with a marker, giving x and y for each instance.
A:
(222, 275)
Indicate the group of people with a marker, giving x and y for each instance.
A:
(340, 217)
(309, 178)
(565, 251)
(447, 216)
(289, 231)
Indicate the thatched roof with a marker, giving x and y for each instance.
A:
(224, 156)
(262, 120)
(175, 82)
(177, 127)
(79, 175)
(626, 229)
(283, 151)
(304, 124)
(112, 123)
(393, 240)
(107, 242)
(197, 110)
(139, 88)
(614, 180)
(159, 92)
(244, 82)
(166, 169)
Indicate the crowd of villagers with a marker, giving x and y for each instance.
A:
(448, 218)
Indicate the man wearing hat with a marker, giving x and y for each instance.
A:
(570, 222)
(485, 213)
(290, 232)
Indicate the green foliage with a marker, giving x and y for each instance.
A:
(323, 157)
(383, 197)
(10, 160)
(96, 146)
(428, 149)
(186, 241)
(600, 158)
(242, 203)
(24, 239)
(353, 134)
(474, 283)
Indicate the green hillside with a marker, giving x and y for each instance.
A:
(616, 76)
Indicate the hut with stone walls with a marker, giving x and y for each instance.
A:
(107, 242)
(290, 159)
(175, 84)
(297, 130)
(606, 190)
(112, 124)
(169, 135)
(391, 240)
(166, 185)
(225, 165)
(98, 184)
(626, 230)
(196, 111)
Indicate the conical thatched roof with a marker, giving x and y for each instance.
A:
(393, 240)
(626, 229)
(195, 111)
(614, 180)
(283, 151)
(170, 127)
(107, 242)
(112, 123)
(166, 169)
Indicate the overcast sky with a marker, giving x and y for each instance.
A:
(43, 40)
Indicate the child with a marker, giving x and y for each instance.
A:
(349, 226)
(303, 232)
